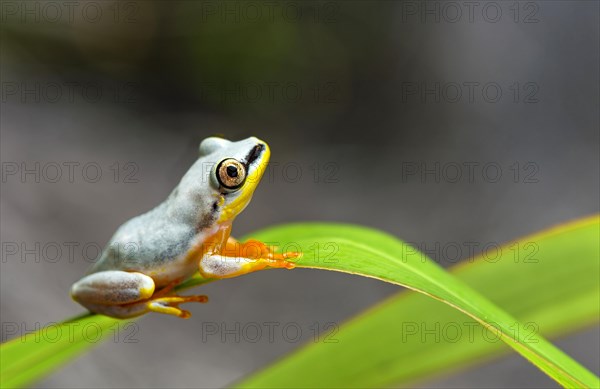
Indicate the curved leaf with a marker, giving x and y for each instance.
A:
(375, 254)
(532, 279)
(356, 250)
(32, 356)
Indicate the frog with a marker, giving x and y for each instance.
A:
(189, 232)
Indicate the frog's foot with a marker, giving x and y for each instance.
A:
(170, 305)
(242, 258)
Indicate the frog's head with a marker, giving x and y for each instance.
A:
(235, 172)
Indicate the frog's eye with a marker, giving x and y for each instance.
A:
(231, 173)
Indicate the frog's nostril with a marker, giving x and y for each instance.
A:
(255, 153)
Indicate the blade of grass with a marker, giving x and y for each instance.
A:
(374, 254)
(382, 257)
(549, 280)
(32, 356)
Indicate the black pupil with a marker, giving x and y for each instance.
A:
(232, 171)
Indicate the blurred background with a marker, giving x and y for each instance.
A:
(441, 123)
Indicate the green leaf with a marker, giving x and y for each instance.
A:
(29, 358)
(356, 250)
(32, 356)
(549, 280)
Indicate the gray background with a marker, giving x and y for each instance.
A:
(168, 74)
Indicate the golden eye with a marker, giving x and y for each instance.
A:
(231, 173)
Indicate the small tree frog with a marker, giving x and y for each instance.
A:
(152, 253)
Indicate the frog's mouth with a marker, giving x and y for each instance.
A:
(256, 163)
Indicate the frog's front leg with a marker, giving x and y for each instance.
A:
(238, 258)
(124, 294)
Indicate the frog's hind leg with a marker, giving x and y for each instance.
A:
(123, 294)
(112, 287)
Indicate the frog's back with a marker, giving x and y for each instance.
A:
(145, 243)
